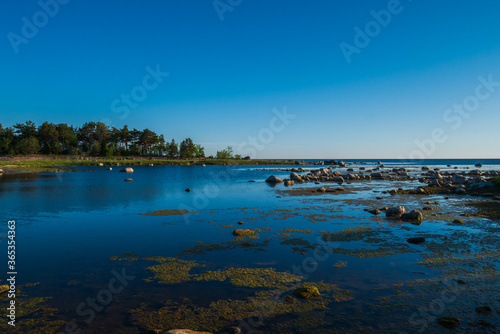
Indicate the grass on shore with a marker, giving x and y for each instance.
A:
(44, 162)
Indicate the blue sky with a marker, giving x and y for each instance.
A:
(227, 76)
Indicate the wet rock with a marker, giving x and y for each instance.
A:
(427, 208)
(243, 232)
(307, 292)
(425, 168)
(449, 322)
(395, 212)
(460, 281)
(458, 221)
(321, 190)
(375, 212)
(483, 309)
(339, 179)
(240, 223)
(127, 170)
(290, 300)
(339, 189)
(478, 165)
(376, 175)
(413, 215)
(289, 183)
(187, 190)
(416, 240)
(128, 180)
(273, 179)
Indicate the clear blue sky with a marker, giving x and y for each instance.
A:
(226, 76)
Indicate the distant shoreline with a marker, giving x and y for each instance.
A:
(42, 163)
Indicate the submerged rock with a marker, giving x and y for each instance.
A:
(273, 179)
(449, 322)
(483, 309)
(289, 183)
(243, 232)
(187, 190)
(395, 212)
(307, 292)
(375, 212)
(321, 190)
(416, 240)
(458, 221)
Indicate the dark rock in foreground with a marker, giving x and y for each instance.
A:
(395, 212)
(413, 215)
(449, 322)
(416, 240)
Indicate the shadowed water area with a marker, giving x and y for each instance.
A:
(174, 262)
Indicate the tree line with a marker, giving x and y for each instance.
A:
(92, 139)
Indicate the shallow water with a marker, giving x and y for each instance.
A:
(68, 225)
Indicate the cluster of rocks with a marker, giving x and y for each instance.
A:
(328, 174)
(459, 183)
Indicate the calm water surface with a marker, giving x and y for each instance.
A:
(68, 225)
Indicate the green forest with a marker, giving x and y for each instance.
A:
(92, 139)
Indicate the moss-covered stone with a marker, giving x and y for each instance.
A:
(307, 292)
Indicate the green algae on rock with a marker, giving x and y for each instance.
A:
(125, 257)
(251, 277)
(32, 315)
(167, 212)
(172, 270)
(349, 234)
(292, 230)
